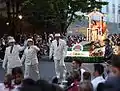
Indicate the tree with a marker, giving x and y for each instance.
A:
(12, 10)
(57, 13)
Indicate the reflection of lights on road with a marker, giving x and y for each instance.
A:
(7, 23)
(20, 17)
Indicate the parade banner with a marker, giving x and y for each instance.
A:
(78, 54)
(85, 53)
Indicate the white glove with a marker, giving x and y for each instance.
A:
(25, 43)
(3, 66)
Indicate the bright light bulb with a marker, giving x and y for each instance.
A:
(20, 17)
(7, 23)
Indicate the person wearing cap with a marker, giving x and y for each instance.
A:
(58, 51)
(108, 50)
(51, 37)
(113, 82)
(30, 60)
(11, 57)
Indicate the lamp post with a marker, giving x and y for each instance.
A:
(20, 17)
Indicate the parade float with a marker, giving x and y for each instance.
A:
(92, 50)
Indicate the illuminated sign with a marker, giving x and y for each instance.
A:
(77, 47)
(78, 54)
(77, 51)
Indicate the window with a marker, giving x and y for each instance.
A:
(113, 8)
(119, 6)
(119, 25)
(107, 9)
(119, 9)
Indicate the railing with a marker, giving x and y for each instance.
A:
(92, 36)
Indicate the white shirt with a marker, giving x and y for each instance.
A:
(96, 81)
(30, 55)
(82, 71)
(58, 52)
(12, 59)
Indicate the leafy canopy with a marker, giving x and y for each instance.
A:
(57, 13)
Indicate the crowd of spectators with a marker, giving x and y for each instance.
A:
(41, 40)
(103, 78)
(76, 80)
(115, 39)
(73, 39)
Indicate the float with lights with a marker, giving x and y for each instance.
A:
(93, 49)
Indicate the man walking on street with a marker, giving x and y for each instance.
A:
(12, 58)
(58, 51)
(31, 60)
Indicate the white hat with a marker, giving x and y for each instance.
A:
(11, 40)
(51, 35)
(57, 35)
(10, 37)
(29, 40)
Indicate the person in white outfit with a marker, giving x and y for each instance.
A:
(11, 57)
(51, 37)
(31, 61)
(58, 51)
(98, 72)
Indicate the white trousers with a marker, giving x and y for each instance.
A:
(60, 68)
(32, 68)
(9, 70)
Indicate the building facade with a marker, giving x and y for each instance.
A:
(112, 10)
(3, 8)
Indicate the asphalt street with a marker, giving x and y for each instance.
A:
(47, 70)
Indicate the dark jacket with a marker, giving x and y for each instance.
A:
(108, 52)
(112, 84)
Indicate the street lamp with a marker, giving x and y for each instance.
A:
(7, 23)
(20, 17)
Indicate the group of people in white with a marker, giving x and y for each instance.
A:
(29, 60)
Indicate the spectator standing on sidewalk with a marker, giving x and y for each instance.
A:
(98, 73)
(113, 82)
(76, 65)
(86, 86)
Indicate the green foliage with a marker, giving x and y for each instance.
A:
(57, 13)
(86, 59)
